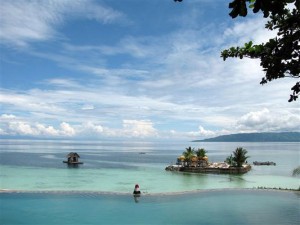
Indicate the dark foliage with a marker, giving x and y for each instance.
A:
(280, 55)
(240, 156)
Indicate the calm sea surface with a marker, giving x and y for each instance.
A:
(75, 195)
(118, 166)
(207, 208)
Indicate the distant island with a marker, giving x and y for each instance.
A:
(256, 137)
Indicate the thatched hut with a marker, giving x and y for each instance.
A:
(194, 161)
(73, 158)
(180, 160)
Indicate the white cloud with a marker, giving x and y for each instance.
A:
(7, 117)
(138, 128)
(68, 83)
(2, 132)
(266, 120)
(13, 125)
(88, 107)
(22, 128)
(203, 133)
(253, 119)
(66, 129)
(26, 21)
(263, 120)
(47, 130)
(250, 30)
(178, 77)
(91, 127)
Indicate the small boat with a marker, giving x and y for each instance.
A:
(267, 163)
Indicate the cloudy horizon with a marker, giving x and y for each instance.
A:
(127, 69)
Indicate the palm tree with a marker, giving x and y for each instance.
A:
(188, 154)
(201, 153)
(296, 171)
(229, 160)
(239, 156)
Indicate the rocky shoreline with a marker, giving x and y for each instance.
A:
(210, 169)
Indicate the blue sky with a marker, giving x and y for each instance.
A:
(134, 69)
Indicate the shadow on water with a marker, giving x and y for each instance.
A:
(238, 179)
(71, 166)
(136, 198)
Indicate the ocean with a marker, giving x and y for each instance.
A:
(44, 190)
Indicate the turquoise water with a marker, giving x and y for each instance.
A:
(118, 166)
(207, 208)
(43, 190)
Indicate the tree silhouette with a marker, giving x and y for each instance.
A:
(239, 156)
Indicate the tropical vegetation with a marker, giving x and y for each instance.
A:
(239, 157)
(229, 160)
(296, 171)
(188, 154)
(201, 153)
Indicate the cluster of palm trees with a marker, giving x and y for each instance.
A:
(190, 153)
(236, 159)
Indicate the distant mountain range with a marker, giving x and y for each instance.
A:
(256, 137)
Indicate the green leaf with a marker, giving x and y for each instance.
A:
(248, 45)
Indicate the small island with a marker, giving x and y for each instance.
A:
(197, 162)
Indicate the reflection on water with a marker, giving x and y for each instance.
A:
(136, 198)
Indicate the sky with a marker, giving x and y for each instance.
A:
(134, 69)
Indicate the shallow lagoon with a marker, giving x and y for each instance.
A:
(99, 191)
(117, 167)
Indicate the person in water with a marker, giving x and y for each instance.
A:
(137, 190)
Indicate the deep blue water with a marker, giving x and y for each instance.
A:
(241, 207)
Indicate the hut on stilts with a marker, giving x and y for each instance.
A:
(73, 159)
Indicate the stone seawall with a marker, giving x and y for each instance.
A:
(229, 170)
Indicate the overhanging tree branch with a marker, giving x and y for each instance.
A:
(280, 55)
